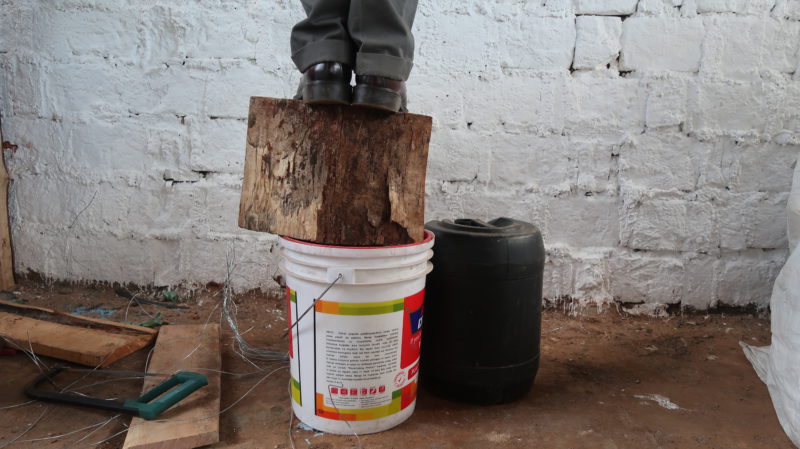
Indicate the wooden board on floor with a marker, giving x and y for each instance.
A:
(338, 175)
(73, 338)
(194, 421)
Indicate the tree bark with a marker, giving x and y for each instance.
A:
(336, 175)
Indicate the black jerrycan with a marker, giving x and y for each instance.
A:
(483, 305)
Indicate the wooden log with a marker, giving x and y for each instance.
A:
(6, 253)
(338, 175)
(194, 421)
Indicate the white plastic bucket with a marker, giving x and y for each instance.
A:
(354, 356)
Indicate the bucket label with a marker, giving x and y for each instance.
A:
(367, 357)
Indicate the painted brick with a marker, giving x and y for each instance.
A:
(641, 277)
(664, 161)
(727, 107)
(21, 89)
(559, 274)
(109, 87)
(747, 278)
(216, 205)
(458, 156)
(659, 8)
(656, 43)
(667, 98)
(585, 221)
(735, 219)
(765, 167)
(435, 96)
(592, 279)
(700, 281)
(66, 33)
(597, 162)
(598, 41)
(16, 21)
(621, 106)
(605, 7)
(752, 220)
(447, 45)
(739, 166)
(741, 46)
(532, 164)
(217, 145)
(668, 224)
(759, 7)
(787, 9)
(539, 44)
(769, 230)
(518, 104)
(222, 98)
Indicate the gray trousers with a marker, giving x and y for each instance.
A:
(373, 36)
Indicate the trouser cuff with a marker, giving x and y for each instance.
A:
(323, 51)
(388, 66)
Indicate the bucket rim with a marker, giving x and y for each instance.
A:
(307, 278)
(283, 253)
(428, 238)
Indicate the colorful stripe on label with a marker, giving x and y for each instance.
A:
(296, 392)
(359, 308)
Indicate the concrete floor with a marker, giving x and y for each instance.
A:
(596, 387)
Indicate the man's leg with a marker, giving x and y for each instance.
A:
(381, 33)
(323, 51)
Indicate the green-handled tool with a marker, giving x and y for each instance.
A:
(148, 406)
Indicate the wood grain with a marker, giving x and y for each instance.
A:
(78, 320)
(87, 346)
(337, 175)
(194, 421)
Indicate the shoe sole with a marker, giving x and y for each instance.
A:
(326, 92)
(388, 100)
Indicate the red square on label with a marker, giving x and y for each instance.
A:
(354, 392)
(363, 392)
(382, 389)
(344, 391)
(373, 390)
(334, 390)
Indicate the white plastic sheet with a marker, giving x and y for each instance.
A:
(778, 365)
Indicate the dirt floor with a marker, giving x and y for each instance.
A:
(599, 385)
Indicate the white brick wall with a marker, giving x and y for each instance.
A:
(652, 140)
(597, 43)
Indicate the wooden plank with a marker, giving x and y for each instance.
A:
(68, 318)
(337, 175)
(6, 251)
(194, 421)
(87, 346)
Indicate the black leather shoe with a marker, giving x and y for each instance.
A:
(379, 92)
(326, 83)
